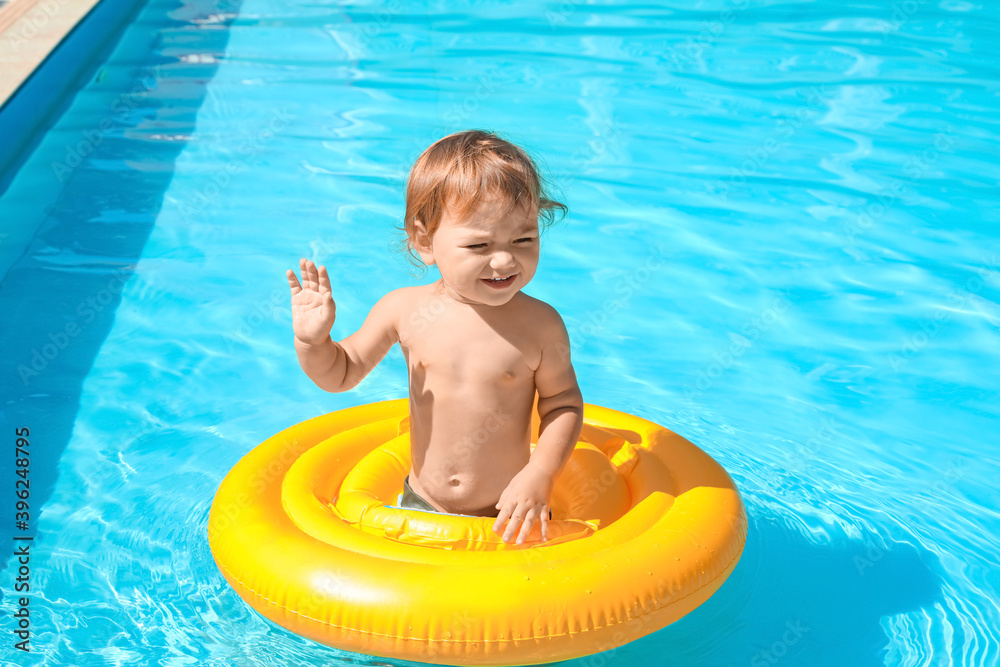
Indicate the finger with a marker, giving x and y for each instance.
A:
(500, 502)
(512, 526)
(324, 281)
(529, 521)
(501, 519)
(304, 269)
(502, 516)
(545, 523)
(313, 277)
(293, 282)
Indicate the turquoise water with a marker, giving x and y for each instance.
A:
(782, 245)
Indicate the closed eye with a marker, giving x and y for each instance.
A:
(477, 246)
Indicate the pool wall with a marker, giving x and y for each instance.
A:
(41, 98)
(67, 234)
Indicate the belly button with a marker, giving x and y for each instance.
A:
(507, 375)
(454, 482)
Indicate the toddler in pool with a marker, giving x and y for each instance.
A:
(477, 348)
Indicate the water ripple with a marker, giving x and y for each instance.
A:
(814, 188)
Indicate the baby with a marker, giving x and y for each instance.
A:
(477, 348)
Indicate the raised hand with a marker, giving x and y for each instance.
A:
(313, 309)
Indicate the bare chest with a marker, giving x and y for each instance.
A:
(467, 351)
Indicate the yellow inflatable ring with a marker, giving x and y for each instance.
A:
(645, 528)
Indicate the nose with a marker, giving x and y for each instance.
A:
(501, 260)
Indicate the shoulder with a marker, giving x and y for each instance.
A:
(545, 321)
(410, 307)
(396, 295)
(413, 293)
(554, 371)
(406, 301)
(392, 306)
(540, 312)
(403, 297)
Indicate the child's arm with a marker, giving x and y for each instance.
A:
(560, 408)
(337, 366)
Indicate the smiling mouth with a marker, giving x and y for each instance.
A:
(501, 282)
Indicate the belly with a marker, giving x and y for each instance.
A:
(464, 456)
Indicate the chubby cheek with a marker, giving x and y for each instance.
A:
(466, 270)
(529, 253)
(475, 266)
(529, 261)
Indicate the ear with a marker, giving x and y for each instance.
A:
(422, 243)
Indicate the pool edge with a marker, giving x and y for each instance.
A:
(31, 30)
(69, 39)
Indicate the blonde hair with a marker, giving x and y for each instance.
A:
(465, 169)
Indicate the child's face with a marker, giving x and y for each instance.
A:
(470, 252)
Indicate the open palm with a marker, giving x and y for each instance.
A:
(313, 309)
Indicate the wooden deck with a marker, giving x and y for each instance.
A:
(29, 30)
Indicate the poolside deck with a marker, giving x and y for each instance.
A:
(29, 31)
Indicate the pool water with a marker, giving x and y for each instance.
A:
(782, 244)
